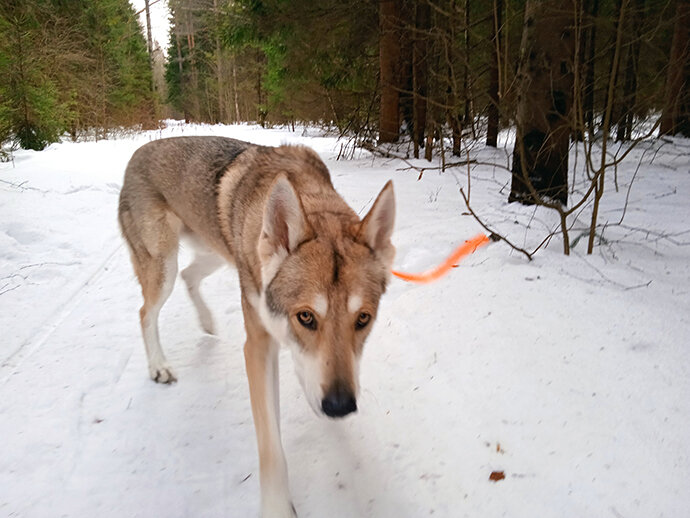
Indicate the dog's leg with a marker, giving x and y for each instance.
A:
(152, 232)
(203, 265)
(158, 279)
(261, 357)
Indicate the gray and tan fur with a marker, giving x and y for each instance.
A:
(311, 273)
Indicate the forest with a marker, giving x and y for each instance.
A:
(379, 70)
(415, 78)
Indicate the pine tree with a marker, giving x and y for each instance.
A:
(71, 66)
(30, 108)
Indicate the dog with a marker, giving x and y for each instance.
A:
(311, 272)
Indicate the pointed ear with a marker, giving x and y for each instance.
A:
(284, 224)
(377, 226)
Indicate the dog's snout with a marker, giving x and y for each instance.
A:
(338, 402)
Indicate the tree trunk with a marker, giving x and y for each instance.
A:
(429, 148)
(420, 73)
(452, 114)
(389, 58)
(676, 115)
(149, 42)
(544, 100)
(614, 100)
(588, 57)
(405, 78)
(493, 115)
(624, 129)
(468, 118)
(234, 90)
(194, 73)
(598, 180)
(103, 121)
(222, 117)
(183, 81)
(579, 71)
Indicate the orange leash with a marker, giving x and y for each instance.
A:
(436, 273)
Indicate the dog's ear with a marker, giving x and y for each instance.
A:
(377, 226)
(284, 224)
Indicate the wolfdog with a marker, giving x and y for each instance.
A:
(311, 272)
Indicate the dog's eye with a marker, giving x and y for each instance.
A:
(306, 318)
(362, 320)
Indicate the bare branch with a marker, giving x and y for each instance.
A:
(495, 236)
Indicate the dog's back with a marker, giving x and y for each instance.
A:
(177, 175)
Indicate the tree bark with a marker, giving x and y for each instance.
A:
(468, 118)
(598, 180)
(453, 117)
(262, 110)
(183, 81)
(588, 57)
(405, 78)
(624, 129)
(675, 117)
(610, 94)
(194, 73)
(420, 72)
(429, 148)
(149, 42)
(493, 115)
(234, 90)
(544, 100)
(579, 71)
(222, 117)
(389, 58)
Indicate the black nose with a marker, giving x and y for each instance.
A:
(338, 402)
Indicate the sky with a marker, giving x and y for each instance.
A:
(159, 19)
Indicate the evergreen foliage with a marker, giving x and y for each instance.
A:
(321, 58)
(298, 60)
(281, 61)
(30, 108)
(78, 65)
(71, 66)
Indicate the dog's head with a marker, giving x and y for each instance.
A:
(323, 276)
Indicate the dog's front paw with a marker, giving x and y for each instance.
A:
(162, 373)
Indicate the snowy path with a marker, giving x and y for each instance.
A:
(578, 388)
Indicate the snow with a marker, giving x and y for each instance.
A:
(568, 374)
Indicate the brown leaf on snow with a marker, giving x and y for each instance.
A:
(496, 476)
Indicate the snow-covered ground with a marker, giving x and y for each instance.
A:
(568, 374)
